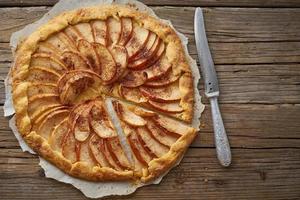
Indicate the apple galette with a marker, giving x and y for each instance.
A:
(105, 93)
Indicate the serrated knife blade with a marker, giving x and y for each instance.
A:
(211, 89)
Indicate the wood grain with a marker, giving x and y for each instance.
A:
(257, 56)
(225, 3)
(267, 174)
(222, 24)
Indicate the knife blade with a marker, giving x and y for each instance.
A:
(211, 89)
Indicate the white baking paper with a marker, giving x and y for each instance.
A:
(90, 189)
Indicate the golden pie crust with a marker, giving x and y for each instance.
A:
(67, 89)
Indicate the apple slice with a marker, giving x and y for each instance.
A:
(161, 136)
(99, 29)
(172, 107)
(48, 61)
(45, 47)
(138, 149)
(53, 119)
(137, 41)
(120, 57)
(154, 146)
(134, 79)
(73, 34)
(114, 30)
(164, 94)
(42, 74)
(40, 101)
(127, 116)
(69, 147)
(74, 60)
(85, 154)
(85, 30)
(67, 41)
(95, 147)
(126, 30)
(117, 152)
(164, 80)
(132, 94)
(158, 69)
(41, 88)
(81, 129)
(74, 86)
(87, 50)
(58, 43)
(143, 112)
(100, 123)
(171, 125)
(57, 135)
(108, 64)
(39, 114)
(140, 61)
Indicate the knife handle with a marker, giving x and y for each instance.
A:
(221, 140)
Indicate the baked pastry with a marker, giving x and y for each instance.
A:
(66, 72)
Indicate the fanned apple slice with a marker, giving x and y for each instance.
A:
(158, 69)
(42, 74)
(85, 154)
(99, 29)
(41, 113)
(85, 30)
(132, 94)
(108, 64)
(140, 61)
(81, 129)
(160, 135)
(114, 30)
(164, 80)
(95, 146)
(73, 60)
(40, 101)
(128, 116)
(142, 112)
(74, 86)
(53, 119)
(168, 125)
(69, 147)
(45, 47)
(57, 135)
(138, 149)
(88, 51)
(56, 44)
(73, 34)
(134, 79)
(100, 123)
(117, 152)
(126, 30)
(137, 41)
(120, 57)
(172, 107)
(154, 146)
(40, 88)
(48, 61)
(113, 162)
(164, 94)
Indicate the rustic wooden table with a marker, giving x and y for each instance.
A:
(256, 49)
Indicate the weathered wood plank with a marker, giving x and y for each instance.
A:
(248, 126)
(255, 174)
(222, 24)
(239, 3)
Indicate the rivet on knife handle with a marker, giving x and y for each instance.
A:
(211, 89)
(221, 140)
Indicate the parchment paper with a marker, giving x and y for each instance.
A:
(90, 189)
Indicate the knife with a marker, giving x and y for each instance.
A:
(211, 89)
